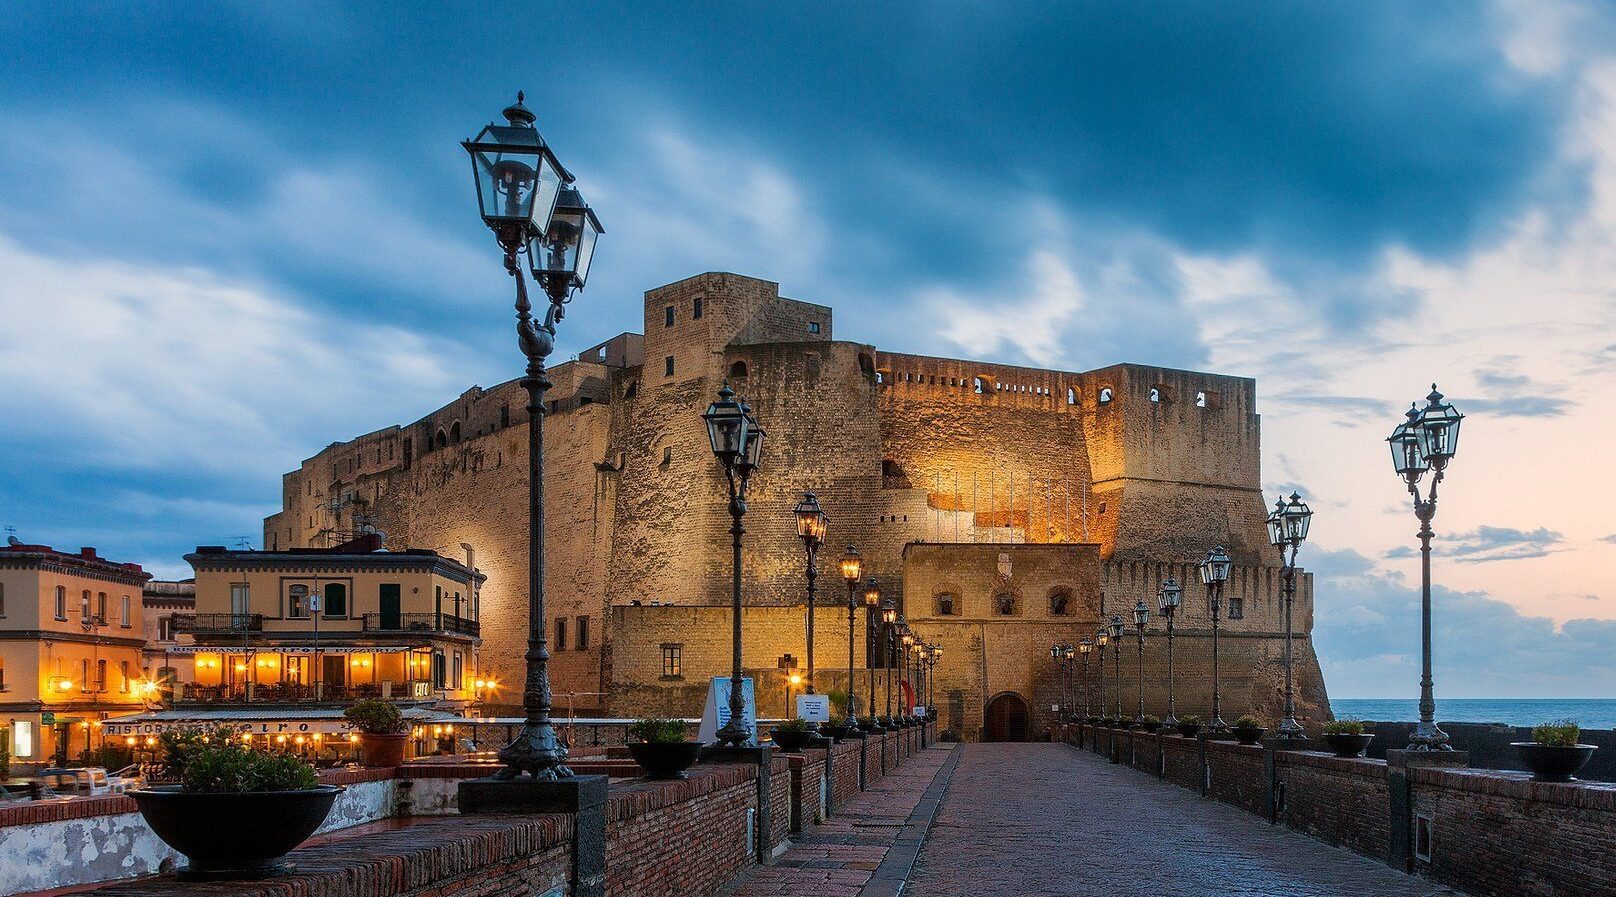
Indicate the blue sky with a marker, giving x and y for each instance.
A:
(230, 234)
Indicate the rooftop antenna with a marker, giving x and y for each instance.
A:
(11, 535)
(242, 543)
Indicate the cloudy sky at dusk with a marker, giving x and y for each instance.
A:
(232, 234)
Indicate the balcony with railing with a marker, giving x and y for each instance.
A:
(444, 623)
(214, 624)
(301, 693)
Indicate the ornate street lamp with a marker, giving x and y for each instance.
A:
(1057, 653)
(1427, 440)
(1084, 647)
(1287, 530)
(1069, 666)
(889, 622)
(908, 640)
(1116, 629)
(811, 527)
(1167, 601)
(932, 658)
(852, 566)
(526, 198)
(1214, 573)
(737, 442)
(1102, 638)
(1141, 616)
(875, 620)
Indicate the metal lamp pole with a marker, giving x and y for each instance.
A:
(526, 198)
(1168, 600)
(737, 441)
(1102, 638)
(889, 617)
(875, 618)
(1085, 647)
(852, 564)
(1141, 616)
(1116, 660)
(1214, 573)
(1069, 665)
(812, 525)
(1287, 529)
(1427, 440)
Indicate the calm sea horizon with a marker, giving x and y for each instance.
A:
(1590, 713)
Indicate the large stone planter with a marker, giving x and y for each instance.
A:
(383, 751)
(792, 741)
(665, 760)
(1553, 763)
(240, 836)
(1345, 744)
(1248, 736)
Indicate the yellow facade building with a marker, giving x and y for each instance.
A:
(70, 650)
(328, 626)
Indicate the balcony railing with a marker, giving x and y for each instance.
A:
(420, 623)
(298, 693)
(215, 623)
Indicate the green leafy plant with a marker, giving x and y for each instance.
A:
(1191, 720)
(1557, 733)
(866, 722)
(1152, 720)
(792, 725)
(375, 717)
(657, 731)
(5, 765)
(175, 749)
(837, 698)
(109, 756)
(220, 767)
(1345, 726)
(1248, 722)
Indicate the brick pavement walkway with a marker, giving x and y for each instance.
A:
(866, 846)
(1029, 820)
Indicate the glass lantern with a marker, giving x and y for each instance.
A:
(560, 253)
(518, 177)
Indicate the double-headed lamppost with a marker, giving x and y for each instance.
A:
(811, 527)
(1057, 653)
(852, 565)
(1141, 616)
(933, 658)
(1070, 666)
(526, 198)
(889, 622)
(908, 639)
(1214, 573)
(1116, 629)
(737, 442)
(875, 619)
(1287, 530)
(1167, 601)
(1426, 441)
(1102, 638)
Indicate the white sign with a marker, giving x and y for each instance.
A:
(814, 708)
(715, 715)
(919, 710)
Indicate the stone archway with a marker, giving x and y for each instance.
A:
(1005, 718)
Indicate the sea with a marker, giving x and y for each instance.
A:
(1590, 713)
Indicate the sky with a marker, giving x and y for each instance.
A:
(233, 233)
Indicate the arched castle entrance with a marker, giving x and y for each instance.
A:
(1006, 718)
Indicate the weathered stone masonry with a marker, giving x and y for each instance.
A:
(1129, 472)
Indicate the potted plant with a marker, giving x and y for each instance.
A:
(791, 735)
(223, 784)
(1151, 723)
(1346, 737)
(1553, 754)
(1248, 729)
(872, 725)
(383, 734)
(660, 748)
(1189, 726)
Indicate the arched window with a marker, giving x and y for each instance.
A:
(979, 385)
(1071, 395)
(947, 604)
(441, 440)
(1004, 604)
(632, 389)
(1060, 602)
(1105, 395)
(454, 432)
(737, 370)
(1155, 394)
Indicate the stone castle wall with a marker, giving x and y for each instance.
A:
(900, 449)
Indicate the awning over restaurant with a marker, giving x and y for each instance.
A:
(266, 721)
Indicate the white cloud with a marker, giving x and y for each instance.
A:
(128, 366)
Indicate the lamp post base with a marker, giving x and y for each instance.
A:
(535, 752)
(1428, 738)
(531, 795)
(1291, 730)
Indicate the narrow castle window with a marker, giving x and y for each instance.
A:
(1237, 607)
(1105, 395)
(667, 316)
(505, 415)
(583, 634)
(737, 370)
(1155, 394)
(947, 606)
(1200, 399)
(979, 385)
(673, 665)
(667, 366)
(441, 440)
(1060, 603)
(454, 432)
(561, 633)
(695, 313)
(813, 326)
(1004, 605)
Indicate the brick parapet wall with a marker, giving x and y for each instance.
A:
(844, 771)
(1491, 833)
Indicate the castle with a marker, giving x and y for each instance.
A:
(1005, 509)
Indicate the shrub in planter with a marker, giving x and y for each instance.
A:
(1189, 726)
(871, 725)
(1346, 737)
(1150, 723)
(1248, 729)
(383, 734)
(791, 735)
(1553, 754)
(224, 784)
(660, 748)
